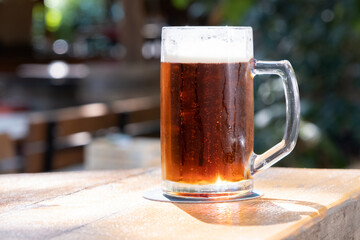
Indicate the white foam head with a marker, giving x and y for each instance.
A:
(206, 44)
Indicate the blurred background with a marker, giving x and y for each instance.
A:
(79, 79)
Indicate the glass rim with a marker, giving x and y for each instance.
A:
(205, 44)
(207, 27)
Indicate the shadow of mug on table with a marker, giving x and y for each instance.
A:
(265, 211)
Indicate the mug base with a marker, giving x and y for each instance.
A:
(158, 196)
(211, 191)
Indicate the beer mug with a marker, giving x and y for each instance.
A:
(207, 112)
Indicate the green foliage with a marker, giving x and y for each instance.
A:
(235, 10)
(321, 40)
(181, 4)
(63, 16)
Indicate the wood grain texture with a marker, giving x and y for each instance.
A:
(298, 204)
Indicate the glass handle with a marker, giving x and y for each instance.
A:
(276, 153)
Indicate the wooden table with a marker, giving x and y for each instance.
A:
(298, 204)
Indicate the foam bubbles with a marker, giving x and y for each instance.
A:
(206, 45)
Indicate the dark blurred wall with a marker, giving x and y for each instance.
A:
(15, 22)
(134, 21)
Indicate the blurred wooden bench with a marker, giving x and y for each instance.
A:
(139, 117)
(56, 138)
(9, 162)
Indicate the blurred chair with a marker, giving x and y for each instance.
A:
(34, 144)
(139, 116)
(9, 163)
(73, 129)
(56, 138)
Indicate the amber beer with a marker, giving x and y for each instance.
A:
(207, 122)
(207, 112)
